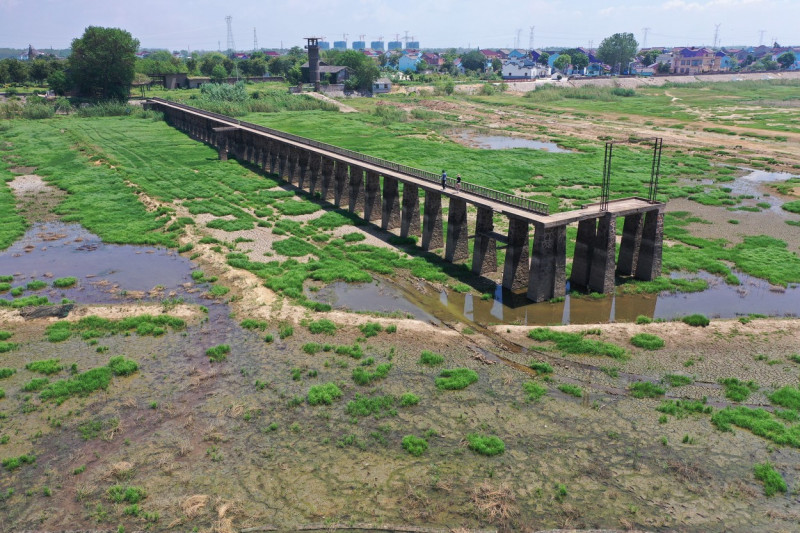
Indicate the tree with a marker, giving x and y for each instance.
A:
(579, 61)
(497, 65)
(544, 58)
(650, 57)
(664, 68)
(473, 60)
(364, 70)
(209, 61)
(39, 70)
(280, 66)
(258, 66)
(562, 62)
(618, 50)
(102, 62)
(16, 71)
(218, 74)
(58, 82)
(787, 59)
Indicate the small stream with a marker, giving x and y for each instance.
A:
(503, 142)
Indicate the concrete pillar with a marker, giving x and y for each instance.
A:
(517, 266)
(327, 178)
(484, 253)
(548, 264)
(409, 225)
(372, 196)
(284, 161)
(432, 237)
(356, 203)
(648, 267)
(629, 247)
(315, 169)
(274, 149)
(601, 273)
(582, 260)
(457, 247)
(292, 164)
(340, 182)
(390, 216)
(263, 154)
(302, 167)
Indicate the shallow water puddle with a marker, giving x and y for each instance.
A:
(753, 184)
(50, 250)
(502, 142)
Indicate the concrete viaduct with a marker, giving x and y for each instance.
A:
(343, 176)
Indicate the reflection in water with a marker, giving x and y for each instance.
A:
(718, 301)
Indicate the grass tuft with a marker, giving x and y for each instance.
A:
(488, 445)
(456, 378)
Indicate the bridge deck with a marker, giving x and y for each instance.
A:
(621, 207)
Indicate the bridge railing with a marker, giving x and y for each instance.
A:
(478, 190)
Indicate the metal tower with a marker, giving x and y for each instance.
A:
(644, 41)
(255, 41)
(530, 41)
(231, 45)
(716, 34)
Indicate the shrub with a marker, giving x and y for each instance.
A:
(773, 482)
(218, 353)
(645, 389)
(63, 283)
(322, 325)
(534, 390)
(647, 341)
(312, 348)
(572, 390)
(430, 358)
(119, 494)
(486, 445)
(696, 320)
(12, 463)
(456, 378)
(46, 366)
(285, 331)
(324, 394)
(414, 445)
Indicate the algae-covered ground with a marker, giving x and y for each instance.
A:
(235, 400)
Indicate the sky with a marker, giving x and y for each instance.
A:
(201, 24)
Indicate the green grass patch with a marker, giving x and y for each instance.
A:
(408, 399)
(35, 384)
(572, 390)
(323, 394)
(696, 320)
(218, 353)
(456, 378)
(647, 341)
(8, 346)
(430, 358)
(294, 247)
(79, 385)
(736, 390)
(541, 367)
(7, 372)
(682, 408)
(94, 326)
(488, 445)
(771, 478)
(792, 207)
(64, 283)
(677, 380)
(759, 422)
(120, 366)
(788, 397)
(45, 366)
(363, 376)
(534, 391)
(576, 343)
(645, 389)
(129, 494)
(293, 208)
(377, 406)
(12, 463)
(249, 323)
(370, 329)
(323, 325)
(414, 445)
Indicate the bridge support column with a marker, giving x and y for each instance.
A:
(283, 168)
(315, 164)
(432, 221)
(372, 193)
(274, 150)
(648, 267)
(409, 225)
(457, 247)
(327, 177)
(582, 260)
(517, 267)
(302, 167)
(548, 264)
(356, 203)
(291, 169)
(390, 216)
(340, 182)
(630, 245)
(484, 253)
(601, 273)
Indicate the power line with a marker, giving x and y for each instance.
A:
(231, 45)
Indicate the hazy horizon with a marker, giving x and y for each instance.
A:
(201, 25)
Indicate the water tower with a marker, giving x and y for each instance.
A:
(313, 61)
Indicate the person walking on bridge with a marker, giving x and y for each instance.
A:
(458, 183)
(444, 179)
